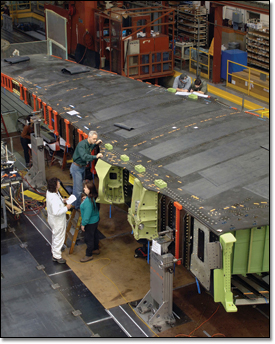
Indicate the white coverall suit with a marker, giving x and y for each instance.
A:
(57, 220)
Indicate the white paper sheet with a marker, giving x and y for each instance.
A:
(71, 199)
(182, 93)
(187, 94)
(201, 95)
(73, 112)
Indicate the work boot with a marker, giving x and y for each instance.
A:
(96, 252)
(60, 260)
(86, 259)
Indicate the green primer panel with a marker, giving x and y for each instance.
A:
(240, 252)
(265, 266)
(222, 277)
(251, 251)
(110, 188)
(143, 212)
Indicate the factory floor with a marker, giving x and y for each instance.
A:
(113, 281)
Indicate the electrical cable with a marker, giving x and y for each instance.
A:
(218, 334)
(190, 334)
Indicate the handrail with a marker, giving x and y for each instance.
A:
(249, 91)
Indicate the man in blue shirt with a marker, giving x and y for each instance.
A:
(82, 155)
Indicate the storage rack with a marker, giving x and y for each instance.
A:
(257, 47)
(192, 20)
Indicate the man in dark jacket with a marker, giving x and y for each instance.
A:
(198, 86)
(82, 155)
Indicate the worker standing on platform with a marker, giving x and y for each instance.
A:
(56, 218)
(6, 10)
(82, 155)
(182, 83)
(198, 86)
(89, 221)
(25, 139)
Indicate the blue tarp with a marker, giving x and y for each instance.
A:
(235, 55)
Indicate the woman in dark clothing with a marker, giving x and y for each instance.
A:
(26, 139)
(90, 218)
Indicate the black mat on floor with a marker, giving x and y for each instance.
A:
(40, 303)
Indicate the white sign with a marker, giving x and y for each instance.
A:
(156, 247)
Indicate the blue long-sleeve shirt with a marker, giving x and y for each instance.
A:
(89, 212)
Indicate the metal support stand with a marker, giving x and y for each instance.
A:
(156, 307)
(36, 176)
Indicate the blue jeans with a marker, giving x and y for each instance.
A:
(78, 174)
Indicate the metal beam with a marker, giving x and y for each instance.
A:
(217, 45)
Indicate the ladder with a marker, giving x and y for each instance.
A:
(77, 225)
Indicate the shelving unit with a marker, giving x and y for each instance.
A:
(182, 49)
(192, 21)
(257, 47)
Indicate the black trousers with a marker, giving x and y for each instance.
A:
(91, 238)
(24, 143)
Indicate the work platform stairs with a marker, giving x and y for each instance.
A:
(73, 227)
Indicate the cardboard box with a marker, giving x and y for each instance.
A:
(254, 72)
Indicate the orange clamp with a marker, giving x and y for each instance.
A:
(34, 102)
(25, 95)
(21, 92)
(67, 122)
(80, 134)
(45, 114)
(55, 122)
(178, 207)
(50, 116)
(39, 103)
(93, 170)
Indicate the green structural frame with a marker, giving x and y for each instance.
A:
(110, 188)
(222, 277)
(143, 212)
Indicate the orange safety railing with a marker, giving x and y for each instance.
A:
(6, 82)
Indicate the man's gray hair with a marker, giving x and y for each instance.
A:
(92, 132)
